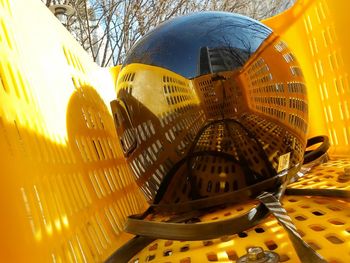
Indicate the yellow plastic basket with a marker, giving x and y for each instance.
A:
(65, 186)
(317, 34)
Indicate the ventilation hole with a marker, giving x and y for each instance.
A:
(227, 187)
(150, 257)
(215, 218)
(321, 201)
(336, 222)
(292, 200)
(314, 246)
(228, 214)
(348, 230)
(185, 248)
(209, 186)
(242, 235)
(318, 213)
(343, 179)
(305, 206)
(168, 243)
(284, 258)
(317, 228)
(271, 245)
(167, 253)
(185, 260)
(301, 218)
(235, 184)
(239, 209)
(212, 256)
(334, 239)
(290, 210)
(153, 247)
(231, 254)
(259, 230)
(207, 243)
(333, 208)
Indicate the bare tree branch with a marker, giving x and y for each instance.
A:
(107, 29)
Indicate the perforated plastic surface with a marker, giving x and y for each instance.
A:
(317, 34)
(322, 222)
(65, 187)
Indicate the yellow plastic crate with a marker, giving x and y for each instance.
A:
(65, 187)
(322, 222)
(316, 32)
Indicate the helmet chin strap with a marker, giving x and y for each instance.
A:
(175, 228)
(180, 227)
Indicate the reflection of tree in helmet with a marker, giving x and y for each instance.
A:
(180, 44)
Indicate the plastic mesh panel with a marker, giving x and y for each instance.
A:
(320, 27)
(65, 185)
(322, 223)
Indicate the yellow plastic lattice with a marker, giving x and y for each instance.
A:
(322, 222)
(330, 175)
(316, 31)
(65, 189)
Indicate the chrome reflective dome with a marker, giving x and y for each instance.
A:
(208, 104)
(200, 43)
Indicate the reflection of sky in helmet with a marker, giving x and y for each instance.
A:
(176, 44)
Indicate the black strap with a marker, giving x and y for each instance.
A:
(304, 251)
(148, 231)
(319, 192)
(310, 156)
(191, 154)
(169, 176)
(198, 231)
(238, 196)
(210, 230)
(133, 246)
(129, 249)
